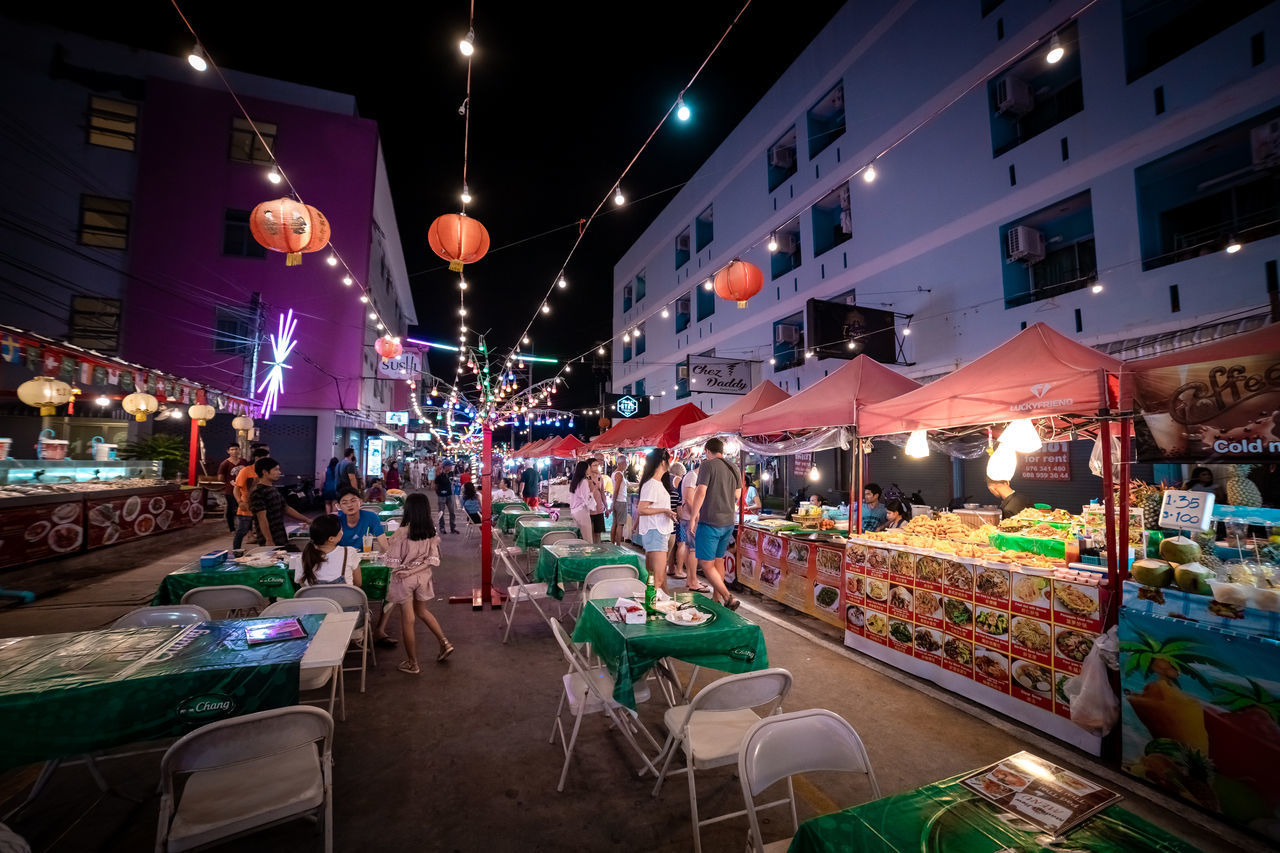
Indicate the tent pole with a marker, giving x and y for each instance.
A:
(858, 477)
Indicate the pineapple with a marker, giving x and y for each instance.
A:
(1241, 491)
(1206, 541)
(1146, 498)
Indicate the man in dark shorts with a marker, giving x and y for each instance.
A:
(268, 504)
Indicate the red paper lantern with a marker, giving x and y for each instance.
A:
(739, 281)
(387, 347)
(458, 239)
(285, 225)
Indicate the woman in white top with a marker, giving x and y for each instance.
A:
(323, 560)
(582, 499)
(619, 502)
(657, 518)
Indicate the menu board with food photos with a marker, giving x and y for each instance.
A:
(41, 530)
(803, 574)
(120, 519)
(1022, 633)
(1041, 793)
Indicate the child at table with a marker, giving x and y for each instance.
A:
(323, 560)
(413, 553)
(471, 502)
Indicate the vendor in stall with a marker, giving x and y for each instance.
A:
(1011, 502)
(873, 512)
(752, 500)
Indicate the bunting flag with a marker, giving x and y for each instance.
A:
(100, 375)
(33, 357)
(126, 381)
(67, 369)
(86, 372)
(150, 383)
(113, 375)
(51, 362)
(9, 349)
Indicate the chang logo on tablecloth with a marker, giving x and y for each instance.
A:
(206, 706)
(270, 580)
(743, 653)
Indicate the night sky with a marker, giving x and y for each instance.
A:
(563, 94)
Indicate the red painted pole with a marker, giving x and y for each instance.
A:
(486, 523)
(194, 453)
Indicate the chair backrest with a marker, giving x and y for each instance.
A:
(229, 597)
(530, 516)
(801, 742)
(239, 739)
(301, 607)
(171, 614)
(264, 549)
(561, 536)
(748, 690)
(618, 588)
(349, 597)
(608, 572)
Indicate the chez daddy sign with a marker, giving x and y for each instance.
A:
(720, 375)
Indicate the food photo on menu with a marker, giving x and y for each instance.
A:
(1044, 794)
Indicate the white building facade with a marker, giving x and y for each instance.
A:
(1097, 194)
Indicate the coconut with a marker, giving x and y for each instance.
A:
(1179, 549)
(1151, 572)
(1193, 577)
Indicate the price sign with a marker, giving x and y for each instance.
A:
(1186, 510)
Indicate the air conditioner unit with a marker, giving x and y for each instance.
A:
(1264, 141)
(1025, 244)
(786, 334)
(788, 242)
(1014, 96)
(781, 157)
(682, 243)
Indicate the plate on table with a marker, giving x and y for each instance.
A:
(700, 617)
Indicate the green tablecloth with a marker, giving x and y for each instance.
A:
(558, 563)
(946, 817)
(388, 514)
(496, 508)
(69, 694)
(1055, 548)
(507, 520)
(730, 644)
(273, 581)
(529, 534)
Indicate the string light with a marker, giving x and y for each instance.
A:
(869, 173)
(665, 312)
(1097, 288)
(546, 309)
(274, 175)
(706, 285)
(462, 284)
(525, 339)
(562, 284)
(196, 59)
(372, 316)
(466, 195)
(468, 44)
(1233, 245)
(773, 243)
(906, 331)
(600, 350)
(1056, 51)
(682, 109)
(346, 279)
(618, 197)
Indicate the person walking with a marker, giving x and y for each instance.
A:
(393, 475)
(414, 553)
(715, 509)
(349, 470)
(329, 491)
(657, 518)
(582, 499)
(244, 483)
(227, 472)
(529, 486)
(619, 502)
(444, 496)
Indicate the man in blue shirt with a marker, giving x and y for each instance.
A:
(355, 523)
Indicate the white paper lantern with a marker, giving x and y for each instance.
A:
(242, 423)
(44, 392)
(140, 405)
(202, 413)
(918, 444)
(1021, 436)
(1002, 464)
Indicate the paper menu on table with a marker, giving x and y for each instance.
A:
(1044, 794)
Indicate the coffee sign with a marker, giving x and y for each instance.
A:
(719, 375)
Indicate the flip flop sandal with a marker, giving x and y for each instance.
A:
(678, 577)
(445, 652)
(702, 589)
(409, 667)
(733, 603)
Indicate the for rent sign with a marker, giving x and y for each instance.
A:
(1050, 462)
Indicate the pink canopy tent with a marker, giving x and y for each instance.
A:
(730, 420)
(836, 400)
(660, 430)
(531, 450)
(1038, 373)
(565, 448)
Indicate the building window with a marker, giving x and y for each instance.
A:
(626, 351)
(640, 287)
(640, 338)
(781, 159)
(639, 387)
(1225, 186)
(706, 301)
(788, 342)
(626, 297)
(237, 239)
(113, 124)
(682, 249)
(95, 323)
(104, 222)
(832, 220)
(682, 313)
(682, 380)
(1033, 96)
(787, 257)
(245, 145)
(233, 331)
(1050, 252)
(826, 120)
(704, 229)
(989, 6)
(1159, 31)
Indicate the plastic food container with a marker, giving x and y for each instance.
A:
(102, 452)
(51, 448)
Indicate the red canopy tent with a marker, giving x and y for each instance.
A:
(1038, 373)
(660, 430)
(532, 449)
(836, 400)
(564, 448)
(730, 420)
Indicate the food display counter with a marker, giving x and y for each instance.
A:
(52, 508)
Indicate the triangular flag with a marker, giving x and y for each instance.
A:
(51, 362)
(113, 376)
(9, 349)
(86, 372)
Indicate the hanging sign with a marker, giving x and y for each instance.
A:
(1186, 510)
(407, 365)
(1050, 462)
(720, 375)
(801, 463)
(398, 418)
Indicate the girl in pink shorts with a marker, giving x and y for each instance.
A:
(413, 553)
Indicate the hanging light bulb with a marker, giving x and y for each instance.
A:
(808, 353)
(918, 444)
(525, 340)
(196, 59)
(546, 309)
(665, 312)
(1056, 51)
(346, 279)
(468, 44)
(364, 297)
(274, 175)
(600, 350)
(372, 316)
(1233, 245)
(706, 285)
(682, 109)
(906, 331)
(618, 197)
(852, 344)
(1002, 464)
(332, 260)
(635, 333)
(869, 173)
(1021, 436)
(462, 284)
(380, 326)
(1097, 287)
(814, 474)
(466, 195)
(773, 243)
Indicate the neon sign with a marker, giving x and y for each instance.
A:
(281, 345)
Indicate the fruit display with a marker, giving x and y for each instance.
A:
(1180, 549)
(1241, 491)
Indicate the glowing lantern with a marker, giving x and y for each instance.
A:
(285, 225)
(739, 281)
(202, 413)
(458, 239)
(45, 392)
(242, 423)
(388, 347)
(140, 405)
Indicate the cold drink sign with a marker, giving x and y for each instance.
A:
(1186, 510)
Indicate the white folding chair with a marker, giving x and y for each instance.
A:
(233, 600)
(313, 678)
(709, 730)
(610, 571)
(167, 614)
(589, 690)
(632, 588)
(350, 598)
(245, 774)
(565, 536)
(520, 589)
(783, 745)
